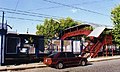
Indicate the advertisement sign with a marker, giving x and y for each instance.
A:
(76, 46)
(67, 46)
(56, 45)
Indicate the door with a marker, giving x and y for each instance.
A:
(62, 58)
(71, 59)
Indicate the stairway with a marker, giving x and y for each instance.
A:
(99, 41)
(92, 51)
(96, 48)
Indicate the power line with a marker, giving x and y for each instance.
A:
(52, 7)
(23, 19)
(28, 12)
(24, 14)
(17, 5)
(46, 8)
(31, 14)
(75, 7)
(40, 20)
(33, 19)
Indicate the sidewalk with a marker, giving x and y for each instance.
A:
(41, 65)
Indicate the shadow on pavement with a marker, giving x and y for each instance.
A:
(79, 65)
(89, 63)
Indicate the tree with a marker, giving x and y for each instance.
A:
(48, 28)
(51, 27)
(115, 14)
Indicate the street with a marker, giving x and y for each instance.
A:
(103, 66)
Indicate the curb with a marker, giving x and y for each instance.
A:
(21, 67)
(41, 65)
(103, 59)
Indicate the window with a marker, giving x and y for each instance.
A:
(12, 43)
(53, 55)
(70, 55)
(62, 55)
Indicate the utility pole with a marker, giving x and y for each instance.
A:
(2, 42)
(3, 21)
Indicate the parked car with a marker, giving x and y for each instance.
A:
(62, 59)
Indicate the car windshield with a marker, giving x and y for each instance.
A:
(53, 54)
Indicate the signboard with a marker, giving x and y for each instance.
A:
(56, 45)
(76, 46)
(11, 45)
(32, 50)
(67, 46)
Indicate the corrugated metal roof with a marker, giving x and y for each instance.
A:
(91, 24)
(97, 31)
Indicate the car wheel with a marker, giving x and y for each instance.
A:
(60, 65)
(83, 62)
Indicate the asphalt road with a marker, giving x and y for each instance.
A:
(102, 66)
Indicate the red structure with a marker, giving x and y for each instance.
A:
(76, 33)
(99, 39)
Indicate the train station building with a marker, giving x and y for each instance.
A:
(87, 38)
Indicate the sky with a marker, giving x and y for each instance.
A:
(23, 15)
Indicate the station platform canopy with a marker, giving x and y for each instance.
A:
(90, 24)
(97, 31)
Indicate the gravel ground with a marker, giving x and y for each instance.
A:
(103, 66)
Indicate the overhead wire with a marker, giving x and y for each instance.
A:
(24, 14)
(23, 18)
(71, 6)
(15, 11)
(27, 12)
(36, 14)
(17, 5)
(15, 8)
(33, 16)
(50, 16)
(52, 7)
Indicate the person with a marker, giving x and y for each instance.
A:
(81, 45)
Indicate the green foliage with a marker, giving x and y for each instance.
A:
(116, 34)
(51, 27)
(108, 32)
(116, 15)
(116, 20)
(89, 28)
